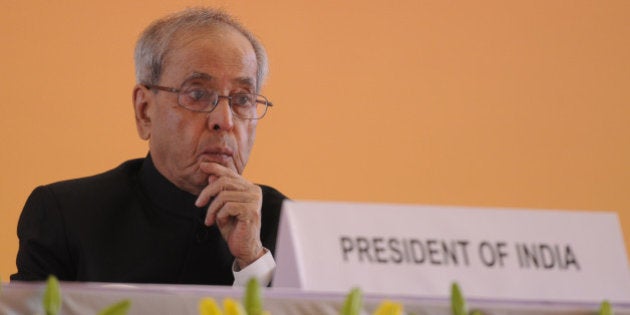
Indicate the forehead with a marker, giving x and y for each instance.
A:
(217, 52)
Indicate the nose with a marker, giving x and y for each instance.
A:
(221, 118)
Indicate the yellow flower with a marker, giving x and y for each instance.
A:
(232, 307)
(389, 308)
(207, 306)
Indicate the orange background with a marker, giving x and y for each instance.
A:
(477, 103)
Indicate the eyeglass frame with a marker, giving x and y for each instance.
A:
(214, 106)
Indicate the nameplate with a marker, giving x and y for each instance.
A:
(505, 254)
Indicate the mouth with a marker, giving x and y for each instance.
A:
(221, 156)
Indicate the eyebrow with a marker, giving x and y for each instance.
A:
(199, 75)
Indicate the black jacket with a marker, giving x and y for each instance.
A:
(129, 224)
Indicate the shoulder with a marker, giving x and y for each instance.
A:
(87, 201)
(272, 194)
(272, 200)
(107, 190)
(114, 180)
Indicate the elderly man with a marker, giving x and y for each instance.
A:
(183, 214)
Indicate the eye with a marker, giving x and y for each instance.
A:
(243, 99)
(197, 98)
(198, 94)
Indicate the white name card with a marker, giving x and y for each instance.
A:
(504, 254)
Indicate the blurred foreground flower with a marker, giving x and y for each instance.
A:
(389, 308)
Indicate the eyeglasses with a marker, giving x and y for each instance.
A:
(199, 98)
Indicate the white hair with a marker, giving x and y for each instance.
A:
(153, 43)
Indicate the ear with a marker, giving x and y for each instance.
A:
(143, 100)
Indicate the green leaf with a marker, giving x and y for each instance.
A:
(476, 312)
(120, 308)
(52, 296)
(253, 298)
(458, 303)
(353, 303)
(605, 308)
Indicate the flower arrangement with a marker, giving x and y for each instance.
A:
(252, 303)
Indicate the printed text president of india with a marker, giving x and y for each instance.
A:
(183, 214)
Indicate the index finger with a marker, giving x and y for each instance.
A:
(217, 169)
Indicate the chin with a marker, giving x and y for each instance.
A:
(195, 183)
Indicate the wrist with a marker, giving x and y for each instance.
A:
(244, 262)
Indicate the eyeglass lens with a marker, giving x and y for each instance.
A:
(198, 95)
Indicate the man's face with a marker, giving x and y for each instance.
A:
(179, 139)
